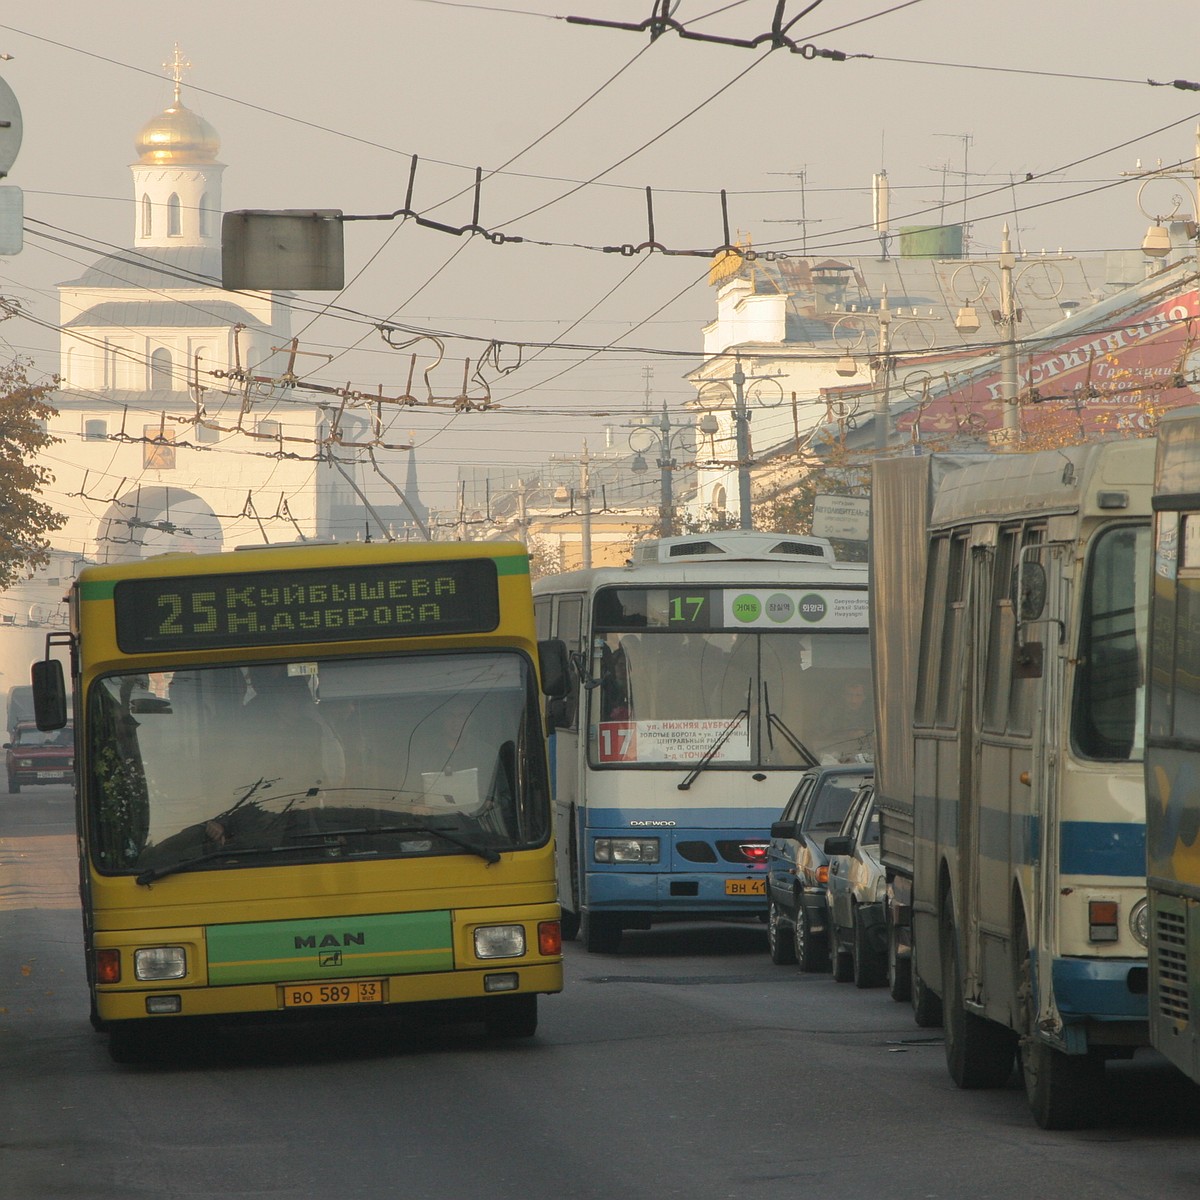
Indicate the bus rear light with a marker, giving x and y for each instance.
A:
(108, 966)
(1103, 918)
(500, 941)
(549, 938)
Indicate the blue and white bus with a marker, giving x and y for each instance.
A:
(712, 670)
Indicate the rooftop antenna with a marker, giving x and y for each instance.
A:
(966, 140)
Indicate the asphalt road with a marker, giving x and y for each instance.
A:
(686, 1066)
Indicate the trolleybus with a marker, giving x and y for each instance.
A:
(712, 670)
(1014, 800)
(310, 777)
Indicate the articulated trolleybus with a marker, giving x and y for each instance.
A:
(1024, 818)
(713, 669)
(310, 777)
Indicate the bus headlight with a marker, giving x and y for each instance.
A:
(626, 850)
(160, 962)
(1139, 921)
(500, 941)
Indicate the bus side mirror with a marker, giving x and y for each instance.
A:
(555, 667)
(49, 694)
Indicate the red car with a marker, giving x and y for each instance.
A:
(37, 756)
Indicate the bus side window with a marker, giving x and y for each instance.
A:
(568, 627)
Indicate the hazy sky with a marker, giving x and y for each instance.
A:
(323, 106)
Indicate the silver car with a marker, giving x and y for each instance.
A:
(857, 889)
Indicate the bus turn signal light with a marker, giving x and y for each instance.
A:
(108, 966)
(1102, 920)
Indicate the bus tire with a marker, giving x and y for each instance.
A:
(870, 970)
(979, 1052)
(512, 1017)
(132, 1042)
(1062, 1089)
(811, 954)
(899, 967)
(601, 932)
(780, 941)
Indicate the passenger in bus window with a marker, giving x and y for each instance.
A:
(849, 728)
(615, 695)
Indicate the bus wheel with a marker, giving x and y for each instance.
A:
(780, 942)
(810, 952)
(926, 1005)
(601, 932)
(979, 1052)
(869, 967)
(512, 1017)
(133, 1042)
(899, 967)
(1062, 1089)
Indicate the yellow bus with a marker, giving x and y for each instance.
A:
(310, 777)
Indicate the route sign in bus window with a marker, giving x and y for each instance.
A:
(265, 608)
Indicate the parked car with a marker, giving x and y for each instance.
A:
(37, 756)
(797, 910)
(857, 890)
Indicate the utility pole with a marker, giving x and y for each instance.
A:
(585, 502)
(883, 375)
(1008, 348)
(741, 425)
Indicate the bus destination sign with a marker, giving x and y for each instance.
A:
(274, 608)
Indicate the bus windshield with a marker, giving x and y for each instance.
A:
(783, 700)
(390, 756)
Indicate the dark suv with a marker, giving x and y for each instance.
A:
(797, 867)
(34, 756)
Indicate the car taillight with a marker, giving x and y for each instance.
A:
(754, 851)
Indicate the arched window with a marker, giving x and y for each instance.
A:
(162, 373)
(718, 499)
(204, 216)
(147, 216)
(174, 217)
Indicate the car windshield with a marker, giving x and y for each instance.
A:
(829, 806)
(379, 757)
(29, 736)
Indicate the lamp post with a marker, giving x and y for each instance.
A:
(741, 423)
(666, 434)
(853, 332)
(1005, 318)
(1157, 242)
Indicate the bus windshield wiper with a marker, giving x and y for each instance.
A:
(485, 852)
(150, 874)
(719, 741)
(777, 722)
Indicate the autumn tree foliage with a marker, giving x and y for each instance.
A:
(25, 520)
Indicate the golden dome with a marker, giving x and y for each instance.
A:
(177, 135)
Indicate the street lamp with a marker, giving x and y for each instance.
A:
(666, 434)
(713, 397)
(1157, 242)
(1005, 318)
(852, 332)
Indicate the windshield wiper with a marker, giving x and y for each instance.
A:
(485, 852)
(774, 722)
(150, 874)
(721, 739)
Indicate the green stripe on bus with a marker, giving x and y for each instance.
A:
(100, 590)
(512, 564)
(330, 947)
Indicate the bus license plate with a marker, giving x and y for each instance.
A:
(745, 887)
(315, 995)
